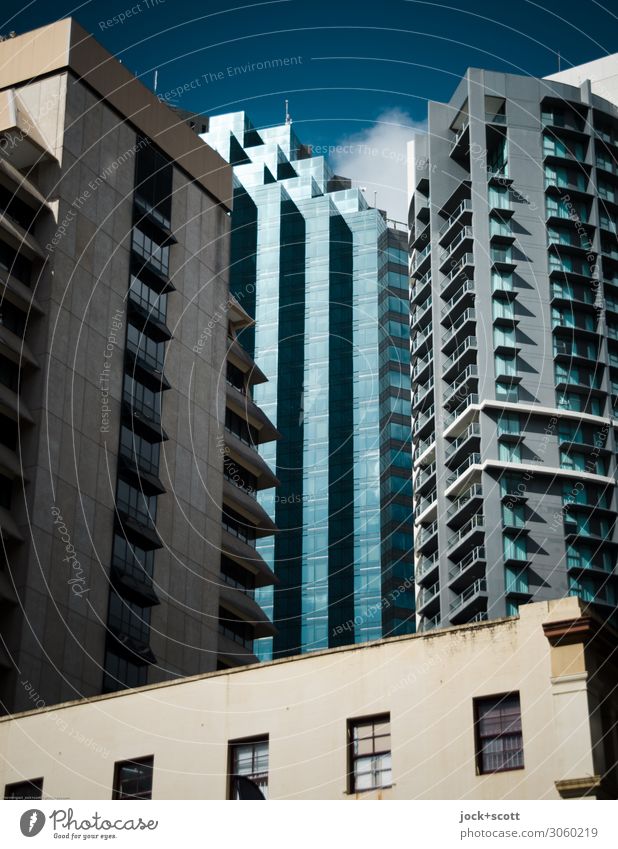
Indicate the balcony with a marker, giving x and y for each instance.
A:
(461, 384)
(426, 507)
(424, 475)
(421, 339)
(428, 600)
(453, 334)
(472, 566)
(427, 538)
(422, 421)
(471, 460)
(461, 298)
(467, 536)
(454, 450)
(459, 410)
(502, 259)
(461, 356)
(423, 394)
(566, 295)
(469, 502)
(420, 260)
(456, 246)
(462, 270)
(421, 314)
(429, 623)
(421, 365)
(471, 602)
(461, 143)
(419, 237)
(419, 288)
(460, 218)
(426, 570)
(423, 446)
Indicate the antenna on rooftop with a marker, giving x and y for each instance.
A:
(559, 60)
(156, 80)
(288, 119)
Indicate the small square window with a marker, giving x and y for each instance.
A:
(133, 779)
(31, 789)
(499, 739)
(369, 747)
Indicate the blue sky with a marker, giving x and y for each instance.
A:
(350, 63)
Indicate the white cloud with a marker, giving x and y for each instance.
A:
(375, 158)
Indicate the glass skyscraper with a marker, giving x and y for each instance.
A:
(325, 277)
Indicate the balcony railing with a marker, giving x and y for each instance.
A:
(476, 523)
(426, 533)
(473, 556)
(423, 418)
(467, 402)
(472, 460)
(473, 429)
(475, 491)
(469, 342)
(427, 594)
(464, 206)
(464, 233)
(468, 286)
(477, 587)
(466, 259)
(426, 565)
(453, 388)
(421, 365)
(464, 318)
(425, 473)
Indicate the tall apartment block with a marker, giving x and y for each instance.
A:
(513, 219)
(325, 278)
(116, 418)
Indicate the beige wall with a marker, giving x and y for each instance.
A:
(426, 682)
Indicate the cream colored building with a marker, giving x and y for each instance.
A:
(430, 691)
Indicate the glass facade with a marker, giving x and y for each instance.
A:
(325, 278)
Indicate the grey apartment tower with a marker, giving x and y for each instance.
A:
(514, 264)
(325, 277)
(128, 470)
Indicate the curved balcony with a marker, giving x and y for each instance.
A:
(420, 261)
(422, 421)
(16, 349)
(428, 600)
(421, 340)
(231, 653)
(247, 557)
(240, 604)
(421, 314)
(250, 459)
(460, 410)
(420, 370)
(427, 538)
(423, 394)
(13, 407)
(248, 507)
(420, 288)
(426, 571)
(241, 404)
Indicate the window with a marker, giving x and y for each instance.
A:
(509, 453)
(31, 789)
(506, 365)
(580, 462)
(509, 423)
(515, 548)
(154, 303)
(151, 352)
(142, 399)
(154, 254)
(499, 740)
(513, 516)
(135, 448)
(249, 769)
(504, 310)
(369, 743)
(506, 392)
(133, 779)
(516, 580)
(135, 503)
(501, 281)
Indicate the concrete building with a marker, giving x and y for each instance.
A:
(521, 708)
(513, 219)
(325, 278)
(114, 247)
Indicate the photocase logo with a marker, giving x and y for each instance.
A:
(32, 822)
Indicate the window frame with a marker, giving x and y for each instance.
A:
(477, 701)
(245, 741)
(143, 760)
(353, 723)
